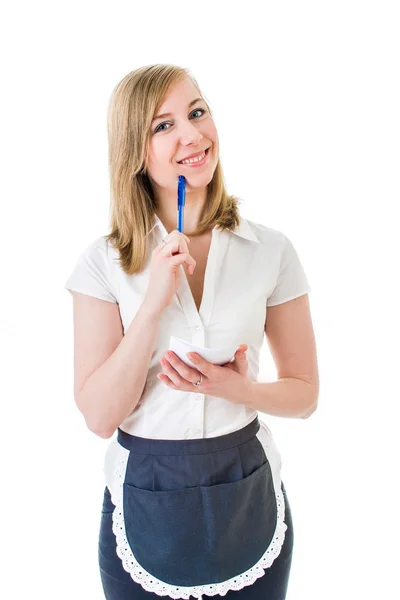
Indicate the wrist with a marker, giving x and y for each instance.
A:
(149, 311)
(243, 393)
(248, 392)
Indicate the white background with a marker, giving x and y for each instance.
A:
(306, 101)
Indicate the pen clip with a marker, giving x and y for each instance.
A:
(181, 201)
(181, 190)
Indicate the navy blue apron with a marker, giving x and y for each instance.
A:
(198, 516)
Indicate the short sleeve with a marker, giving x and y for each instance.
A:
(91, 274)
(292, 281)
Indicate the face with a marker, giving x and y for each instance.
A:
(189, 129)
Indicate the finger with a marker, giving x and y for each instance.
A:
(167, 381)
(178, 252)
(173, 375)
(176, 241)
(173, 247)
(241, 352)
(176, 233)
(189, 374)
(202, 365)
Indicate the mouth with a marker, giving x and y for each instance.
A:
(194, 162)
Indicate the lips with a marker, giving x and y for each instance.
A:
(194, 155)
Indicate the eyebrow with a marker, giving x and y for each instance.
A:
(169, 114)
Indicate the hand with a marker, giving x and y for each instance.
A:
(165, 271)
(228, 381)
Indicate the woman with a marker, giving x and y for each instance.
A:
(194, 503)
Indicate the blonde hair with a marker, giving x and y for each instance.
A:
(133, 104)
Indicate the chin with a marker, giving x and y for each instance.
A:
(199, 182)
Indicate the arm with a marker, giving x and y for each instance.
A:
(110, 368)
(289, 332)
(288, 397)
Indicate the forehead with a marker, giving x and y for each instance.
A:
(180, 93)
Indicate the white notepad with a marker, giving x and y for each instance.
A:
(218, 356)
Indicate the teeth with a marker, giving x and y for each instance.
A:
(193, 160)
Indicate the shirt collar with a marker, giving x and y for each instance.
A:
(243, 229)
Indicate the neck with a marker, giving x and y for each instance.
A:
(167, 211)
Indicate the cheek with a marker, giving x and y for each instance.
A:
(212, 135)
(212, 131)
(159, 157)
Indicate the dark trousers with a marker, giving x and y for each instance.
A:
(119, 585)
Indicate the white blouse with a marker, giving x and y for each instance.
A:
(247, 270)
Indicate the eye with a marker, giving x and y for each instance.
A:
(199, 109)
(202, 110)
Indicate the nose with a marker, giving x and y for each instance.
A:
(190, 135)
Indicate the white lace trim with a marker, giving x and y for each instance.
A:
(161, 588)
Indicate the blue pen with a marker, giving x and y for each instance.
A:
(181, 201)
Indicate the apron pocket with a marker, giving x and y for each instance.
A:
(202, 534)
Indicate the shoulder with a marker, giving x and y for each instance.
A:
(100, 245)
(100, 257)
(93, 273)
(100, 250)
(268, 236)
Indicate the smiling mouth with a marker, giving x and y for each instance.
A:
(196, 161)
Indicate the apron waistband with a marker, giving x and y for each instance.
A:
(140, 445)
